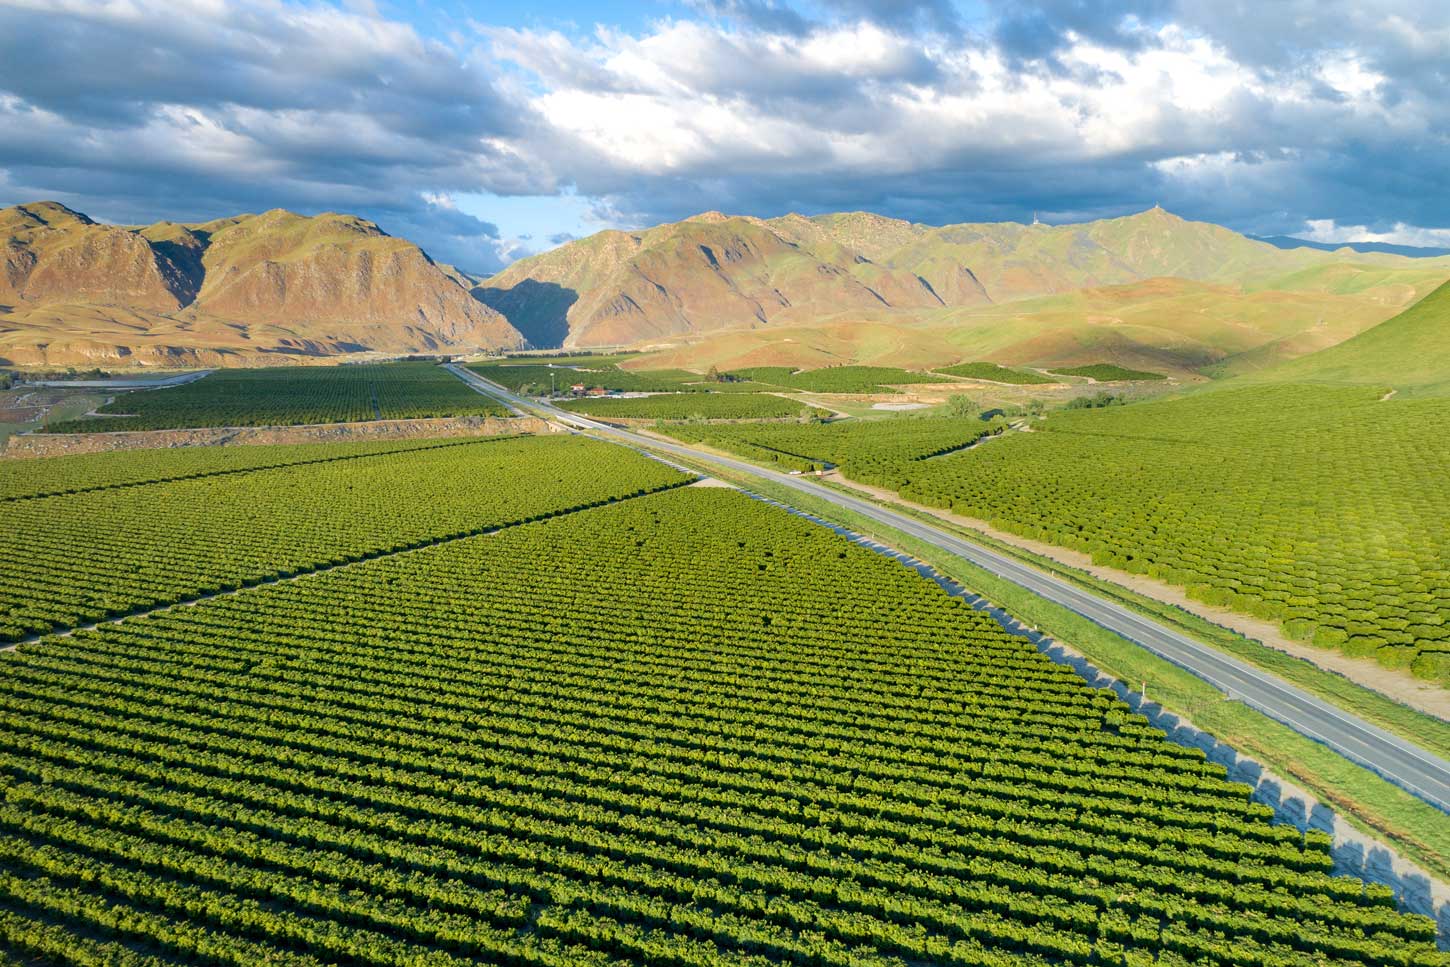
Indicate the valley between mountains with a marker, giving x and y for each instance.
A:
(1149, 290)
(321, 655)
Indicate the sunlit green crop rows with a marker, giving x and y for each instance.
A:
(21, 479)
(839, 379)
(1108, 372)
(540, 379)
(1325, 509)
(72, 558)
(996, 373)
(687, 729)
(872, 451)
(688, 406)
(293, 395)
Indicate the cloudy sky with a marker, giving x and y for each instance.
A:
(485, 131)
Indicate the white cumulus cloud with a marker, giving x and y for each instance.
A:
(1327, 230)
(1327, 110)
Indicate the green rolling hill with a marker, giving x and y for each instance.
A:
(1410, 353)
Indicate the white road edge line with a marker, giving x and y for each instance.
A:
(1397, 760)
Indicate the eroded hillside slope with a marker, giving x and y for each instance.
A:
(252, 288)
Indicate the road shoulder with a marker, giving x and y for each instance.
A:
(1427, 697)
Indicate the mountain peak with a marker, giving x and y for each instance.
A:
(48, 213)
(608, 290)
(261, 287)
(1157, 213)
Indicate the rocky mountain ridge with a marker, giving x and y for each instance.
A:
(715, 273)
(1150, 290)
(237, 290)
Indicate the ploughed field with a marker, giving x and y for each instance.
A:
(684, 727)
(290, 396)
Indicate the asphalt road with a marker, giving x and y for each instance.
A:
(162, 382)
(1406, 765)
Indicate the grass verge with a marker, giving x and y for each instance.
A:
(1425, 730)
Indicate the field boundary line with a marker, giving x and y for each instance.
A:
(1356, 740)
(364, 558)
(239, 470)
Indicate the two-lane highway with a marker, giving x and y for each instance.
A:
(1406, 765)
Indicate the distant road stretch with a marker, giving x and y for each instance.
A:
(1406, 765)
(155, 382)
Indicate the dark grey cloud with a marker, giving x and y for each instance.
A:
(943, 196)
(104, 64)
(1038, 29)
(446, 234)
(1406, 39)
(762, 14)
(153, 110)
(937, 15)
(1258, 118)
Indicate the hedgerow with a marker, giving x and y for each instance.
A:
(289, 396)
(687, 729)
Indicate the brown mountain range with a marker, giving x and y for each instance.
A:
(1148, 289)
(246, 290)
